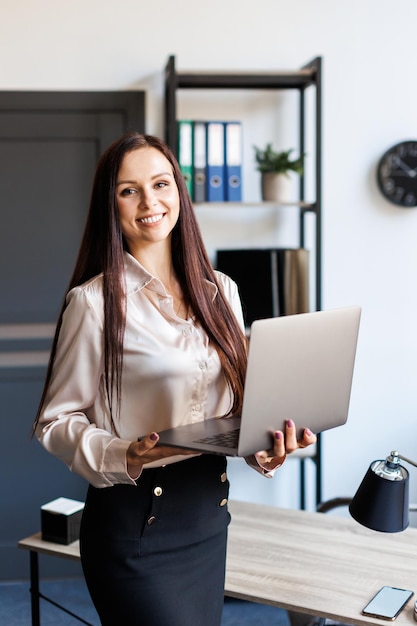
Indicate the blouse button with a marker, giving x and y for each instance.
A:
(223, 502)
(223, 477)
(158, 491)
(151, 520)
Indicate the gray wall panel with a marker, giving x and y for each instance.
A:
(49, 146)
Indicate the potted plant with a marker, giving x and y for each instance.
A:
(275, 168)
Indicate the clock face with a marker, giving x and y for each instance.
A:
(397, 174)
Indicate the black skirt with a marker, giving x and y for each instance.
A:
(154, 554)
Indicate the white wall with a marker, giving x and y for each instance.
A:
(370, 94)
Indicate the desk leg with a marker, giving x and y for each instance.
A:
(34, 588)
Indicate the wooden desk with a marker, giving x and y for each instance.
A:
(305, 562)
(316, 563)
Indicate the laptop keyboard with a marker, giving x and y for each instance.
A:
(227, 440)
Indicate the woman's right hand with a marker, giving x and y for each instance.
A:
(146, 450)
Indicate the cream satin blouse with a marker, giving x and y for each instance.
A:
(171, 376)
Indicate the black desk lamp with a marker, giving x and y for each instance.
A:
(381, 501)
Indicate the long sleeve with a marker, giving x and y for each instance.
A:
(64, 428)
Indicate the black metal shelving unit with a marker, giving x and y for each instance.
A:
(307, 77)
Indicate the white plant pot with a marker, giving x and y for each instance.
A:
(276, 187)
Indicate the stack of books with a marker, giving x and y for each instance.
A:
(210, 158)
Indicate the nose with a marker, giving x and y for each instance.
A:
(147, 198)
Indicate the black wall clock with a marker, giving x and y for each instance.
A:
(397, 174)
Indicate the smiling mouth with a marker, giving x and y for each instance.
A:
(152, 219)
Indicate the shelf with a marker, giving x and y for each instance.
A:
(295, 80)
(305, 206)
(310, 75)
(298, 79)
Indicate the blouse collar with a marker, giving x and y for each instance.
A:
(137, 277)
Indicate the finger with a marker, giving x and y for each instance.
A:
(279, 444)
(142, 450)
(308, 438)
(173, 451)
(148, 442)
(291, 442)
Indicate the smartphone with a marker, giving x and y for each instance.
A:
(387, 603)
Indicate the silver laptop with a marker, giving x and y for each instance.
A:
(299, 367)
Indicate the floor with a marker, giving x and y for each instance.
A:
(72, 593)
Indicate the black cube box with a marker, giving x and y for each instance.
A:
(61, 520)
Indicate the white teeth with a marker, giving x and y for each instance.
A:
(152, 219)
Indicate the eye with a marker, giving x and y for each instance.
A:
(161, 184)
(128, 191)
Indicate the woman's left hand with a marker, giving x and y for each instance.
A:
(284, 443)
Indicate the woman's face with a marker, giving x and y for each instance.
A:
(147, 198)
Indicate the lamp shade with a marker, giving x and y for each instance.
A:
(381, 501)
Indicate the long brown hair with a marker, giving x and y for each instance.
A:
(101, 252)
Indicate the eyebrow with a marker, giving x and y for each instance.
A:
(126, 182)
(133, 182)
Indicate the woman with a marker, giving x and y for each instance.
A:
(149, 337)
